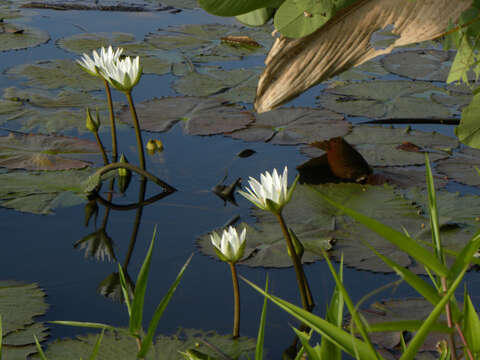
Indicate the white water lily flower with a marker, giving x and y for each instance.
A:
(99, 62)
(230, 246)
(123, 74)
(271, 193)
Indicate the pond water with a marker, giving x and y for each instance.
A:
(40, 248)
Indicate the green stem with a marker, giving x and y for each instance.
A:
(138, 134)
(296, 263)
(102, 149)
(448, 311)
(131, 167)
(236, 295)
(112, 121)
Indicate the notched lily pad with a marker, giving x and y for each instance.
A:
(54, 74)
(19, 304)
(198, 116)
(16, 37)
(381, 146)
(232, 85)
(425, 64)
(386, 99)
(42, 192)
(290, 126)
(43, 152)
(203, 42)
(266, 246)
(120, 346)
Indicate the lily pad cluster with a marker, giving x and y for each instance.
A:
(19, 305)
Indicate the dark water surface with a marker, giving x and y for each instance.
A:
(40, 248)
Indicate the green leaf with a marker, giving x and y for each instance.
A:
(464, 257)
(427, 325)
(140, 289)
(125, 292)
(314, 353)
(234, 7)
(406, 325)
(339, 337)
(261, 328)
(471, 325)
(39, 348)
(152, 327)
(432, 207)
(85, 324)
(468, 132)
(97, 345)
(256, 17)
(403, 242)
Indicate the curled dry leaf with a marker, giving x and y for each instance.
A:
(295, 65)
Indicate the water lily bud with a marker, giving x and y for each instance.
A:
(297, 245)
(91, 208)
(230, 246)
(124, 176)
(159, 145)
(91, 124)
(151, 147)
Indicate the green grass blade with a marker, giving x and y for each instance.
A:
(464, 258)
(140, 289)
(432, 206)
(336, 335)
(403, 242)
(351, 307)
(97, 345)
(415, 281)
(39, 349)
(152, 327)
(406, 325)
(123, 284)
(313, 352)
(261, 328)
(471, 325)
(425, 329)
(90, 325)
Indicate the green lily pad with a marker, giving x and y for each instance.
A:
(42, 192)
(232, 85)
(181, 4)
(9, 106)
(461, 167)
(386, 99)
(120, 346)
(382, 146)
(198, 116)
(54, 74)
(367, 71)
(202, 43)
(87, 42)
(44, 152)
(41, 98)
(401, 310)
(266, 245)
(16, 37)
(19, 304)
(425, 64)
(294, 126)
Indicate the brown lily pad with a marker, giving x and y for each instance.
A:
(198, 115)
(43, 152)
(462, 167)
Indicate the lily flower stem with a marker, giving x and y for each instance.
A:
(301, 280)
(236, 296)
(102, 148)
(448, 311)
(138, 134)
(112, 121)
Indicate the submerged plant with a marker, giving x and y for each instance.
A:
(230, 248)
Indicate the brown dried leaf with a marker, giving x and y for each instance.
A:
(295, 65)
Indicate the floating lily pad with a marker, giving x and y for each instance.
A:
(266, 246)
(87, 42)
(232, 85)
(401, 310)
(41, 98)
(203, 42)
(43, 152)
(198, 116)
(367, 71)
(120, 346)
(404, 177)
(41, 193)
(16, 37)
(426, 64)
(9, 106)
(294, 126)
(54, 74)
(181, 4)
(461, 167)
(19, 304)
(381, 146)
(387, 99)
